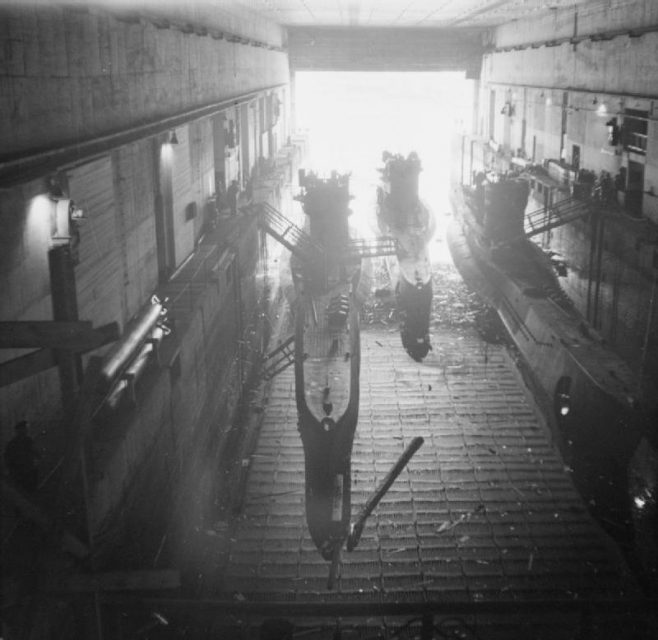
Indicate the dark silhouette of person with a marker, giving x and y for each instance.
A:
(21, 457)
(232, 197)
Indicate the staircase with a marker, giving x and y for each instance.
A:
(297, 241)
(300, 244)
(370, 248)
(543, 219)
(279, 359)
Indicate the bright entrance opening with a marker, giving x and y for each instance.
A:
(351, 118)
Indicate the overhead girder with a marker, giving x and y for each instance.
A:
(385, 49)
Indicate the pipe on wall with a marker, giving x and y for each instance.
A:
(125, 350)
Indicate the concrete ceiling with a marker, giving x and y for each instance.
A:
(405, 13)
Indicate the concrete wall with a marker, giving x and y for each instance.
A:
(573, 22)
(67, 76)
(135, 193)
(70, 74)
(184, 406)
(26, 217)
(565, 76)
(587, 82)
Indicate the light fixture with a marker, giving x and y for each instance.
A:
(563, 404)
(562, 398)
(67, 216)
(172, 138)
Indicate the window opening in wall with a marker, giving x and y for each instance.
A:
(634, 188)
(575, 157)
(190, 211)
(613, 132)
(635, 130)
(492, 115)
(563, 125)
(245, 143)
(164, 211)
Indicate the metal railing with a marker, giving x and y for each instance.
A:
(556, 215)
(186, 287)
(371, 247)
(296, 240)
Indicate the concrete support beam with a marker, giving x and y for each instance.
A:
(80, 75)
(376, 49)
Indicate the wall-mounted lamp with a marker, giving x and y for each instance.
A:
(562, 398)
(172, 138)
(602, 109)
(563, 402)
(67, 217)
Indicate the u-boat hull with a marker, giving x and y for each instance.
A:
(327, 361)
(593, 395)
(402, 215)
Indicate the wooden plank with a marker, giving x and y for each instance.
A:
(70, 335)
(116, 581)
(76, 438)
(37, 361)
(26, 366)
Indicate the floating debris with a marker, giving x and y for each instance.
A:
(447, 525)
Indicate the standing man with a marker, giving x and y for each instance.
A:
(21, 457)
(232, 197)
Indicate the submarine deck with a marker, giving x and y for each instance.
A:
(486, 511)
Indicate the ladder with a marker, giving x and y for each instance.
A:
(556, 215)
(296, 240)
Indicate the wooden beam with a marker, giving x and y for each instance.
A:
(76, 438)
(26, 366)
(149, 580)
(76, 336)
(37, 361)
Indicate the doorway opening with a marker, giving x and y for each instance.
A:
(351, 118)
